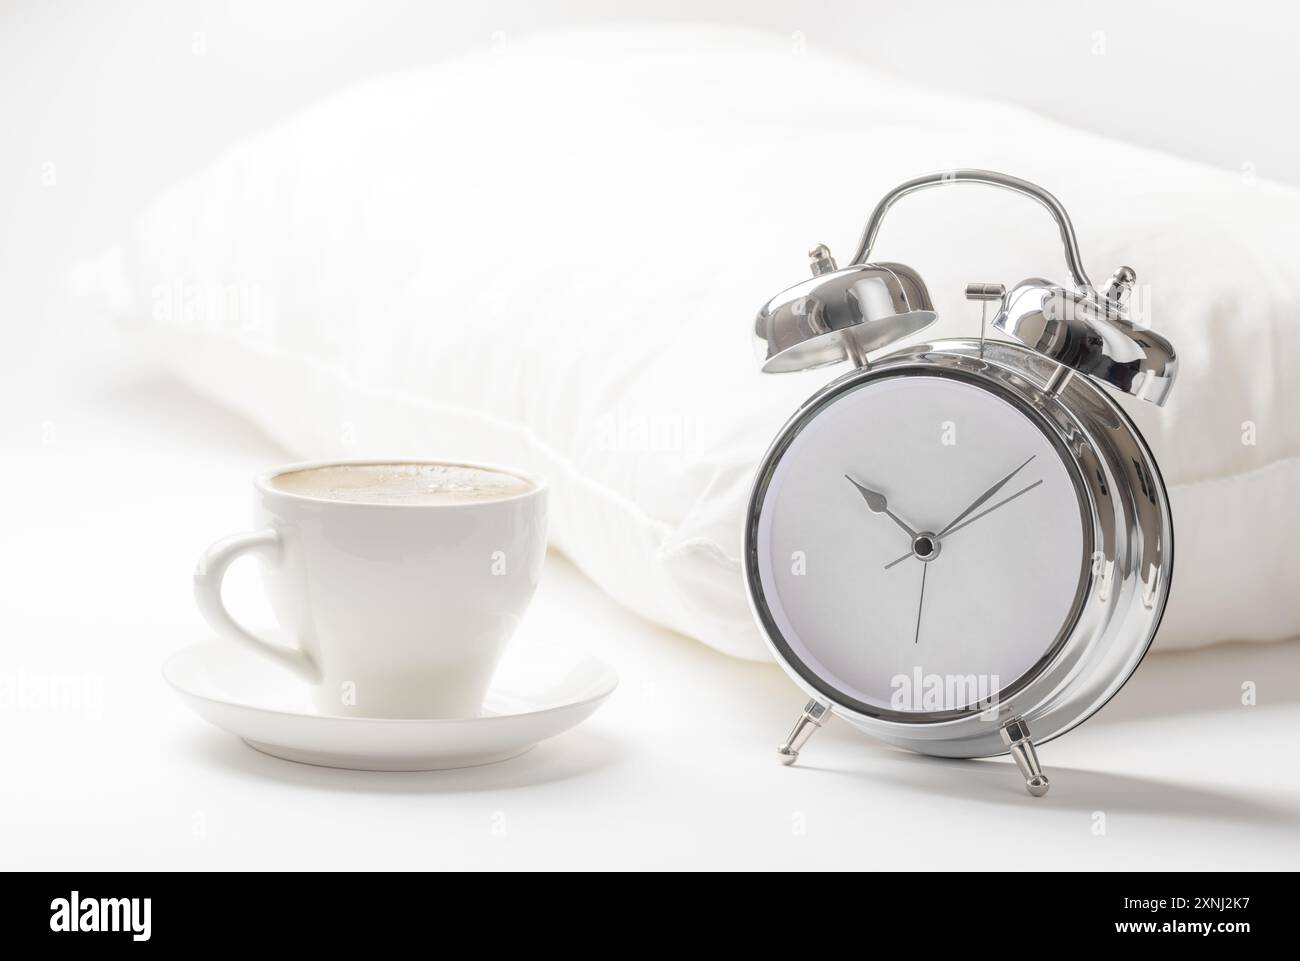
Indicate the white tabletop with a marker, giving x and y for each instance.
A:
(116, 477)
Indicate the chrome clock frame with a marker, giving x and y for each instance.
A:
(1068, 343)
(1124, 586)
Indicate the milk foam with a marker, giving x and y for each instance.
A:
(416, 484)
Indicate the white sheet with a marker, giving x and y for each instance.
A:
(118, 477)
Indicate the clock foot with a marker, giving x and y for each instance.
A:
(1015, 735)
(813, 716)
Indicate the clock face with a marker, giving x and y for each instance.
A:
(921, 544)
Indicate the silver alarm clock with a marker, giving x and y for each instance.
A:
(963, 548)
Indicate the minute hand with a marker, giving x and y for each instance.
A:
(990, 510)
(971, 520)
(983, 498)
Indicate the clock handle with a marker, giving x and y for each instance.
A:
(1073, 260)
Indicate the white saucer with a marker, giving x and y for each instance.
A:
(539, 691)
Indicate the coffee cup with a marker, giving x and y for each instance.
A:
(398, 583)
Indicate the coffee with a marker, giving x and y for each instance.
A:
(396, 584)
(405, 484)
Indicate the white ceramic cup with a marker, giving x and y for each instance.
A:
(395, 610)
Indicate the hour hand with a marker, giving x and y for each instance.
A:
(877, 504)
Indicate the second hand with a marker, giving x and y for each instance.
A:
(920, 604)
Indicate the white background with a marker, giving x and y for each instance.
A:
(127, 97)
(104, 460)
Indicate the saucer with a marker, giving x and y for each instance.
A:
(539, 691)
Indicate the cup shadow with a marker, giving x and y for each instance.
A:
(574, 754)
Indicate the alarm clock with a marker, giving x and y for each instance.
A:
(963, 547)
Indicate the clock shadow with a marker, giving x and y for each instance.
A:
(996, 781)
(1203, 690)
(1178, 683)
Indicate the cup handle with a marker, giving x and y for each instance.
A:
(208, 576)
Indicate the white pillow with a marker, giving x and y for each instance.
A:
(550, 256)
